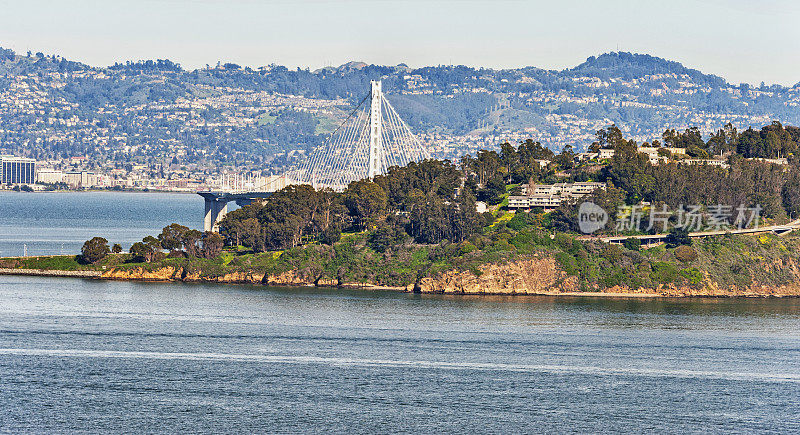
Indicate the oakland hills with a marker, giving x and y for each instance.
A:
(155, 118)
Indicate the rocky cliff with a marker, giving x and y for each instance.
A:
(535, 276)
(542, 276)
(290, 278)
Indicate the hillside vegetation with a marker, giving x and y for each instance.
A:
(142, 112)
(419, 222)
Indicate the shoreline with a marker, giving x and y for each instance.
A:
(103, 190)
(52, 273)
(98, 275)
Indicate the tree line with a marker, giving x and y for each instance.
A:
(177, 240)
(771, 141)
(434, 201)
(423, 201)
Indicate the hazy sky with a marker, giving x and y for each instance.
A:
(742, 41)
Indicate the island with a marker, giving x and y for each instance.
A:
(676, 217)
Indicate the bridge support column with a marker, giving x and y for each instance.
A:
(216, 209)
(216, 204)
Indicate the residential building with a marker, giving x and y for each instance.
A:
(779, 161)
(550, 196)
(605, 153)
(710, 162)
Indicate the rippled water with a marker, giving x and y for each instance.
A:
(97, 356)
(59, 222)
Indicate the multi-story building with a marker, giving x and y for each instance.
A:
(49, 176)
(80, 179)
(17, 170)
(550, 196)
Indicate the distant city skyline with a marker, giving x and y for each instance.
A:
(739, 40)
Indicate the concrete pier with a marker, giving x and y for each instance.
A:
(215, 211)
(216, 205)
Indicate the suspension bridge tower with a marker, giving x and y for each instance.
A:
(371, 139)
(375, 128)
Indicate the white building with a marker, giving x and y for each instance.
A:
(49, 176)
(550, 196)
(80, 179)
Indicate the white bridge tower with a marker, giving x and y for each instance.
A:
(371, 139)
(375, 130)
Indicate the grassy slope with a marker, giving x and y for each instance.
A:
(727, 260)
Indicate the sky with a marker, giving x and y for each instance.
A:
(742, 41)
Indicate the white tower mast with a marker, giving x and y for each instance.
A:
(375, 131)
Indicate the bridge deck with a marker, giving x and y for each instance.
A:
(777, 229)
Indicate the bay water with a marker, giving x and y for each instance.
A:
(106, 356)
(53, 223)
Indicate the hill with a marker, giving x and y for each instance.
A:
(157, 114)
(630, 66)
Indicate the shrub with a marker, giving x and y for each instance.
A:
(612, 253)
(467, 247)
(519, 221)
(568, 262)
(613, 276)
(685, 254)
(499, 245)
(664, 273)
(331, 235)
(693, 275)
(564, 242)
(632, 244)
(522, 239)
(678, 237)
(488, 218)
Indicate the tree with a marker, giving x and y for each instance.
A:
(117, 248)
(212, 244)
(250, 234)
(631, 171)
(140, 252)
(493, 191)
(566, 159)
(331, 235)
(385, 237)
(95, 249)
(147, 250)
(171, 237)
(288, 217)
(242, 227)
(633, 244)
(366, 201)
(791, 193)
(189, 241)
(678, 237)
(464, 218)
